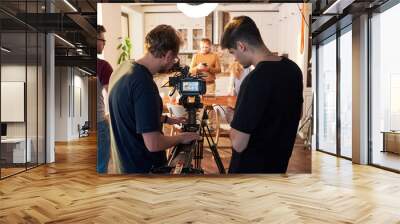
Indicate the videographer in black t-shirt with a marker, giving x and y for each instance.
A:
(268, 108)
(137, 142)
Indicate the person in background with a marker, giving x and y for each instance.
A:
(206, 62)
(268, 108)
(137, 142)
(104, 71)
(237, 75)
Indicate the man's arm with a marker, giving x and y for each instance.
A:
(104, 92)
(217, 68)
(172, 120)
(239, 140)
(156, 142)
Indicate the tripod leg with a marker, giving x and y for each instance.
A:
(172, 155)
(199, 153)
(214, 150)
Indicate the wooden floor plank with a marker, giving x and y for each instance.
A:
(70, 191)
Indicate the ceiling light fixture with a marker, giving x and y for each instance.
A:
(65, 41)
(196, 10)
(70, 5)
(5, 50)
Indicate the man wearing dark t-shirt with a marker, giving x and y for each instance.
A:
(137, 143)
(268, 108)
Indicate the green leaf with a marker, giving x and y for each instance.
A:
(125, 48)
(119, 60)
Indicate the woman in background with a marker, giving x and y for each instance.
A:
(237, 73)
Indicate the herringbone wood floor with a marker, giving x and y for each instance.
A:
(70, 191)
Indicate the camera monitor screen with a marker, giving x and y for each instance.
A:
(190, 86)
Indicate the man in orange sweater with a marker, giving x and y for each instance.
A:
(207, 63)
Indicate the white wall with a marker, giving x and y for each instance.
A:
(111, 14)
(33, 127)
(70, 84)
(61, 104)
(136, 29)
(113, 28)
(12, 73)
(268, 24)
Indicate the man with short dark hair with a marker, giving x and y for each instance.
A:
(137, 143)
(104, 71)
(268, 108)
(206, 62)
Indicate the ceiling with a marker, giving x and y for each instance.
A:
(76, 22)
(332, 15)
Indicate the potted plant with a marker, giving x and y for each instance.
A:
(125, 47)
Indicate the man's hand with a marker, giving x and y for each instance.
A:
(176, 120)
(107, 118)
(229, 114)
(187, 137)
(202, 68)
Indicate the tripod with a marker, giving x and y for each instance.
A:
(182, 155)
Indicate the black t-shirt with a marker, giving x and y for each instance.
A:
(269, 109)
(135, 108)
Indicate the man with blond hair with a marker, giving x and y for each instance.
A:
(138, 145)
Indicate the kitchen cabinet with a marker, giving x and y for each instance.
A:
(191, 30)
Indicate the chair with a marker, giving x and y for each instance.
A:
(83, 131)
(176, 111)
(218, 123)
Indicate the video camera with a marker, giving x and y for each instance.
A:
(189, 88)
(186, 84)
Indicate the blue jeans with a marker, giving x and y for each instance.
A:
(103, 146)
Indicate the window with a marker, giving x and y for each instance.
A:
(346, 93)
(326, 131)
(385, 89)
(22, 75)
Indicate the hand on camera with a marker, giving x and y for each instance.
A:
(187, 137)
(176, 120)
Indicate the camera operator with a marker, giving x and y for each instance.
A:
(137, 143)
(269, 104)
